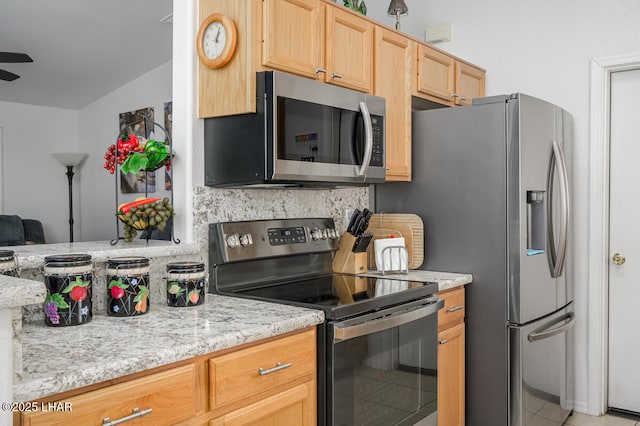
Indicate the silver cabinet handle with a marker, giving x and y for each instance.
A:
(368, 140)
(455, 308)
(334, 75)
(546, 331)
(279, 366)
(136, 414)
(321, 70)
(443, 341)
(455, 95)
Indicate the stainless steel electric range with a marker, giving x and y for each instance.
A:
(377, 349)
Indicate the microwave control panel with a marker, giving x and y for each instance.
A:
(377, 155)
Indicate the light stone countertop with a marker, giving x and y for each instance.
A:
(58, 359)
(32, 256)
(16, 292)
(445, 280)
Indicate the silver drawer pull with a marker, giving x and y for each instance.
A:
(279, 366)
(443, 341)
(334, 75)
(321, 70)
(136, 413)
(455, 308)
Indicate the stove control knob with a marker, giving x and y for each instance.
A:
(324, 233)
(333, 234)
(233, 240)
(246, 240)
(316, 234)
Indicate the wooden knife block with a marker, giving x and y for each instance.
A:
(346, 261)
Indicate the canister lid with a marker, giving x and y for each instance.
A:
(6, 255)
(183, 267)
(128, 262)
(63, 260)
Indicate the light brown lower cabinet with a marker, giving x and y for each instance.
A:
(451, 358)
(295, 406)
(268, 382)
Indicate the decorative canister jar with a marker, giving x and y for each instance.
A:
(68, 279)
(127, 286)
(185, 284)
(8, 263)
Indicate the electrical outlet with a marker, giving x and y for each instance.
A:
(347, 216)
(438, 33)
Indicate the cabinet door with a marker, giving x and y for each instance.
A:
(349, 43)
(451, 376)
(164, 398)
(392, 80)
(295, 406)
(435, 75)
(293, 36)
(469, 83)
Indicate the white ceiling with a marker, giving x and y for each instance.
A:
(82, 49)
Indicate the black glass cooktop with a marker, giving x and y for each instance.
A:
(342, 295)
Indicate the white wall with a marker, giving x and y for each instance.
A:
(35, 184)
(541, 48)
(98, 128)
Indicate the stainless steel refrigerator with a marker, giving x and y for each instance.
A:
(491, 183)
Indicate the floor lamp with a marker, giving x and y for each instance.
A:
(70, 159)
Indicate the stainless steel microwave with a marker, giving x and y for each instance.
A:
(304, 133)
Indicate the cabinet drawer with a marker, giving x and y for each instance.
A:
(248, 372)
(171, 396)
(453, 311)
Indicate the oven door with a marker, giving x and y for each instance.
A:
(383, 367)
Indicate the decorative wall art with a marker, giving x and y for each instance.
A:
(168, 121)
(133, 122)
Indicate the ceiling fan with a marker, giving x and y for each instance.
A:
(14, 58)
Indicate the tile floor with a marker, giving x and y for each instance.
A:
(578, 419)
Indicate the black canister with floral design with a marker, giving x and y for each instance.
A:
(127, 286)
(8, 264)
(185, 284)
(68, 279)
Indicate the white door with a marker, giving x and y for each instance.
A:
(624, 240)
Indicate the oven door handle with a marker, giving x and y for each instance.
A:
(349, 330)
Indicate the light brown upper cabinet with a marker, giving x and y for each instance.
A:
(446, 80)
(392, 80)
(293, 36)
(349, 43)
(470, 83)
(311, 39)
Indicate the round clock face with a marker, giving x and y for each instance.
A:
(214, 40)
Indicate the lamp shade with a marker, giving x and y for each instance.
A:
(397, 7)
(69, 158)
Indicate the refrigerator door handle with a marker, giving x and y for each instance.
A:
(545, 331)
(368, 140)
(555, 258)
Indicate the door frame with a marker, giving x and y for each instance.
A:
(598, 278)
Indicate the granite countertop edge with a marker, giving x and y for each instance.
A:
(49, 366)
(16, 292)
(445, 280)
(32, 256)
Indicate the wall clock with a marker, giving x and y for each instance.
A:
(216, 41)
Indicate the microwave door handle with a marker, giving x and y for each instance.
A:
(346, 332)
(368, 140)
